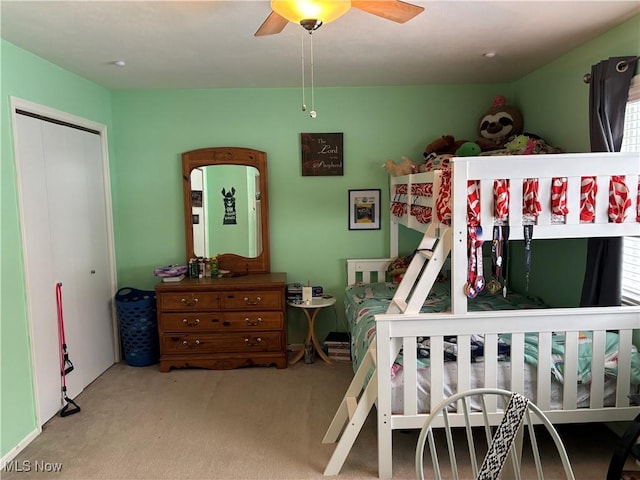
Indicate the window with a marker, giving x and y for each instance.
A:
(631, 253)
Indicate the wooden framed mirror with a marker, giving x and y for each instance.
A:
(226, 208)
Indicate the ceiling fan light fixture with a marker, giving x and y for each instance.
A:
(325, 11)
(311, 24)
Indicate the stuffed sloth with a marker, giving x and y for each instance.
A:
(500, 123)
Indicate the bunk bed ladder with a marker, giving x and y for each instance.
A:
(353, 411)
(363, 390)
(419, 278)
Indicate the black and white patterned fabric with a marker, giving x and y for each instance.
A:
(503, 438)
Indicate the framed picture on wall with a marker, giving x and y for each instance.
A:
(322, 154)
(364, 209)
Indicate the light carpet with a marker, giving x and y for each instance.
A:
(250, 424)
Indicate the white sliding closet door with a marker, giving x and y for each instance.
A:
(65, 240)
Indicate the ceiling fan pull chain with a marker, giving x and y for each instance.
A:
(304, 105)
(312, 113)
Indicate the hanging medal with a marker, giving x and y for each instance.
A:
(475, 276)
(505, 260)
(479, 282)
(528, 235)
(496, 258)
(469, 287)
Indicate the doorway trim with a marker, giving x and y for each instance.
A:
(70, 120)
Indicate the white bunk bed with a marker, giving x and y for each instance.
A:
(399, 327)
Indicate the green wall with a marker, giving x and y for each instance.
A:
(555, 100)
(310, 239)
(148, 130)
(29, 78)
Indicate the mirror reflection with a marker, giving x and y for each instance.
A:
(226, 210)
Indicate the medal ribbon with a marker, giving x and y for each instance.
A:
(559, 196)
(619, 201)
(528, 235)
(496, 250)
(588, 190)
(501, 200)
(475, 277)
(443, 201)
(531, 204)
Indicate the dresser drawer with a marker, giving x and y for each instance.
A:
(211, 343)
(252, 300)
(188, 322)
(189, 301)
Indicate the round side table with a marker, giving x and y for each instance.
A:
(311, 310)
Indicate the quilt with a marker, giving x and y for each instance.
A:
(364, 301)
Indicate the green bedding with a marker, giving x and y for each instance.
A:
(364, 301)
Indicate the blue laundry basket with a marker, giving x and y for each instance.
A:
(138, 326)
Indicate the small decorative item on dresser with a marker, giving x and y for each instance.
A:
(171, 273)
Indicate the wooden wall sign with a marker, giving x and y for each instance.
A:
(322, 154)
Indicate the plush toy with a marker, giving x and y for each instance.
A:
(501, 122)
(397, 268)
(436, 162)
(405, 167)
(440, 145)
(444, 144)
(520, 144)
(529, 144)
(468, 149)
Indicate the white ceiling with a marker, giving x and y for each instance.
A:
(206, 44)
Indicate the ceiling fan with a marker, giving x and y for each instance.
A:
(311, 14)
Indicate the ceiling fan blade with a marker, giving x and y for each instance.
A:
(273, 24)
(394, 10)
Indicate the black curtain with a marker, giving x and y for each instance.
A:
(608, 93)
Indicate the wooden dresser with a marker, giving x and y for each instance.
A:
(222, 323)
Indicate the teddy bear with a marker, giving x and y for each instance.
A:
(436, 162)
(405, 167)
(398, 267)
(442, 145)
(500, 123)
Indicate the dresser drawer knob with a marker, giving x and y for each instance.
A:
(189, 344)
(253, 323)
(252, 302)
(252, 343)
(189, 303)
(191, 323)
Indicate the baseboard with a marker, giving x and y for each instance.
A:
(22, 444)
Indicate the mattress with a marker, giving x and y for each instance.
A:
(476, 381)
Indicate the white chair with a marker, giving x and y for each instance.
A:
(469, 409)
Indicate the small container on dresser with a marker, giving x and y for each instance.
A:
(222, 323)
